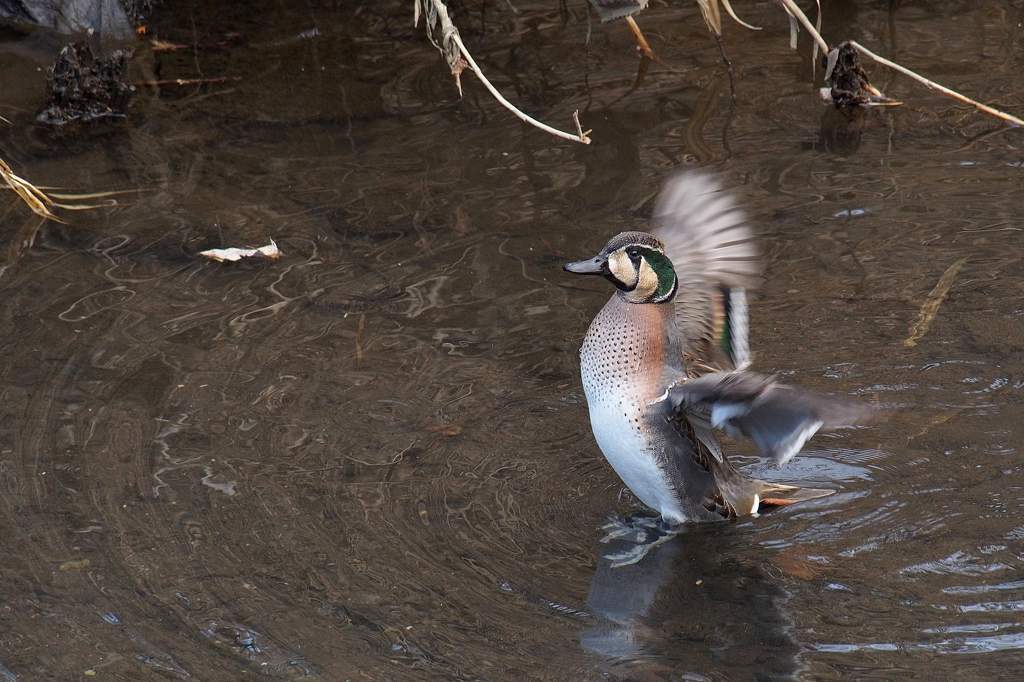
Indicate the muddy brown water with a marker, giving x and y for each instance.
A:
(372, 458)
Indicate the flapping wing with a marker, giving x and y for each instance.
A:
(779, 419)
(712, 248)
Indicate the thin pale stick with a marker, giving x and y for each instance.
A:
(641, 40)
(795, 11)
(508, 105)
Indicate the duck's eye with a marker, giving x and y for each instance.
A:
(634, 255)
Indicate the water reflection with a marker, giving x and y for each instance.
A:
(693, 605)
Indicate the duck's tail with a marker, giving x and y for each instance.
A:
(783, 495)
(744, 495)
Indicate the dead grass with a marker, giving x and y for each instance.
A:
(36, 199)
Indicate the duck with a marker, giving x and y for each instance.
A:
(665, 364)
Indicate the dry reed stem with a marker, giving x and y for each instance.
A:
(583, 139)
(90, 195)
(34, 198)
(794, 11)
(641, 40)
(190, 81)
(932, 85)
(450, 33)
(51, 196)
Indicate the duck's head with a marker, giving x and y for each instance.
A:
(635, 262)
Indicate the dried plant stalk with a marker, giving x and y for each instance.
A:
(641, 40)
(713, 15)
(458, 58)
(34, 198)
(796, 13)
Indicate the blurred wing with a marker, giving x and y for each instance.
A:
(712, 248)
(779, 419)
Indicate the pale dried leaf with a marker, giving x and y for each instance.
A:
(457, 69)
(712, 17)
(728, 8)
(270, 252)
(165, 45)
(930, 308)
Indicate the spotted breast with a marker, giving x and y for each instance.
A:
(624, 360)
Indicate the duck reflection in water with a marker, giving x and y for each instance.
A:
(692, 606)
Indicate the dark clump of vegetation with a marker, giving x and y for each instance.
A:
(848, 82)
(84, 87)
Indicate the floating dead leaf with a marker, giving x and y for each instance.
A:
(930, 308)
(75, 565)
(449, 430)
(165, 45)
(458, 67)
(937, 420)
(269, 252)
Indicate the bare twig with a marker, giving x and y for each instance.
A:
(932, 85)
(641, 40)
(511, 107)
(190, 81)
(579, 128)
(458, 57)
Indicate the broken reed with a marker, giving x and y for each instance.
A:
(35, 198)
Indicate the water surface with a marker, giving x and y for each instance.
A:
(372, 458)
